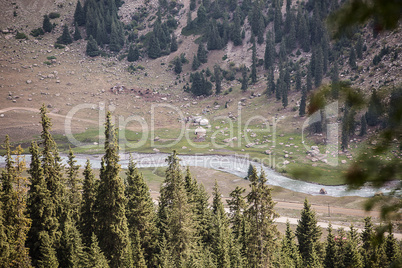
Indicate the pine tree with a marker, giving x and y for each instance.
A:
(244, 81)
(392, 250)
(363, 126)
(308, 235)
(352, 58)
(359, 48)
(133, 54)
(74, 184)
(298, 86)
(65, 38)
(254, 64)
(331, 255)
(278, 25)
(173, 45)
(196, 63)
(302, 108)
(47, 26)
(345, 129)
(269, 56)
(116, 37)
(289, 250)
(138, 255)
(87, 218)
(318, 67)
(77, 34)
(214, 40)
(14, 218)
(111, 204)
(96, 258)
(271, 82)
(79, 14)
(141, 217)
(4, 245)
(177, 65)
(175, 215)
(220, 230)
(374, 110)
(92, 47)
(202, 53)
(286, 88)
(236, 29)
(260, 216)
(47, 257)
(218, 79)
(309, 82)
(154, 49)
(237, 205)
(335, 81)
(72, 251)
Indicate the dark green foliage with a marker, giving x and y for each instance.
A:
(278, 25)
(392, 250)
(331, 253)
(270, 82)
(47, 257)
(289, 251)
(133, 54)
(47, 26)
(77, 34)
(116, 36)
(302, 108)
(202, 53)
(237, 205)
(177, 65)
(173, 45)
(359, 48)
(298, 78)
(244, 81)
(254, 64)
(79, 14)
(236, 29)
(309, 82)
(286, 88)
(111, 204)
(65, 38)
(192, 4)
(335, 86)
(318, 67)
(154, 49)
(363, 125)
(374, 110)
(196, 63)
(218, 79)
(74, 186)
(352, 58)
(92, 47)
(308, 235)
(4, 244)
(200, 86)
(36, 32)
(54, 15)
(88, 219)
(260, 217)
(269, 56)
(201, 15)
(141, 216)
(214, 40)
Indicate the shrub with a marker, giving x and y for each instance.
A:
(47, 63)
(36, 32)
(51, 58)
(59, 46)
(54, 15)
(21, 36)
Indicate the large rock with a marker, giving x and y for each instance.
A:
(323, 191)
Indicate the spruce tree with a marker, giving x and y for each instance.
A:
(308, 235)
(202, 53)
(335, 81)
(196, 63)
(87, 218)
(96, 258)
(173, 44)
(175, 215)
(298, 86)
(218, 79)
(331, 255)
(269, 56)
(111, 204)
(116, 37)
(65, 38)
(359, 48)
(133, 54)
(221, 237)
(392, 250)
(47, 26)
(363, 126)
(289, 251)
(138, 251)
(244, 81)
(302, 108)
(74, 186)
(47, 257)
(236, 29)
(79, 14)
(286, 88)
(271, 82)
(92, 49)
(177, 65)
(154, 49)
(260, 216)
(237, 205)
(77, 34)
(309, 82)
(318, 67)
(278, 25)
(141, 217)
(254, 64)
(4, 245)
(374, 110)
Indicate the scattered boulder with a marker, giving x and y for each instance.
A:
(323, 191)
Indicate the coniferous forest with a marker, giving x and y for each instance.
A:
(52, 218)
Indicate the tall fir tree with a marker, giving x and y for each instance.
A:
(74, 186)
(269, 56)
(309, 82)
(87, 217)
(79, 14)
(236, 28)
(65, 37)
(298, 81)
(96, 258)
(374, 110)
(289, 251)
(270, 82)
(4, 245)
(77, 34)
(133, 54)
(141, 216)
(331, 254)
(173, 45)
(352, 58)
(47, 25)
(112, 230)
(218, 79)
(92, 49)
(363, 126)
(308, 235)
(154, 49)
(260, 216)
(302, 108)
(335, 81)
(254, 64)
(244, 81)
(202, 53)
(318, 67)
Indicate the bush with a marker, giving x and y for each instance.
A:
(54, 15)
(51, 58)
(47, 63)
(59, 46)
(36, 32)
(21, 36)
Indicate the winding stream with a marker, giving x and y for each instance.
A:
(234, 165)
